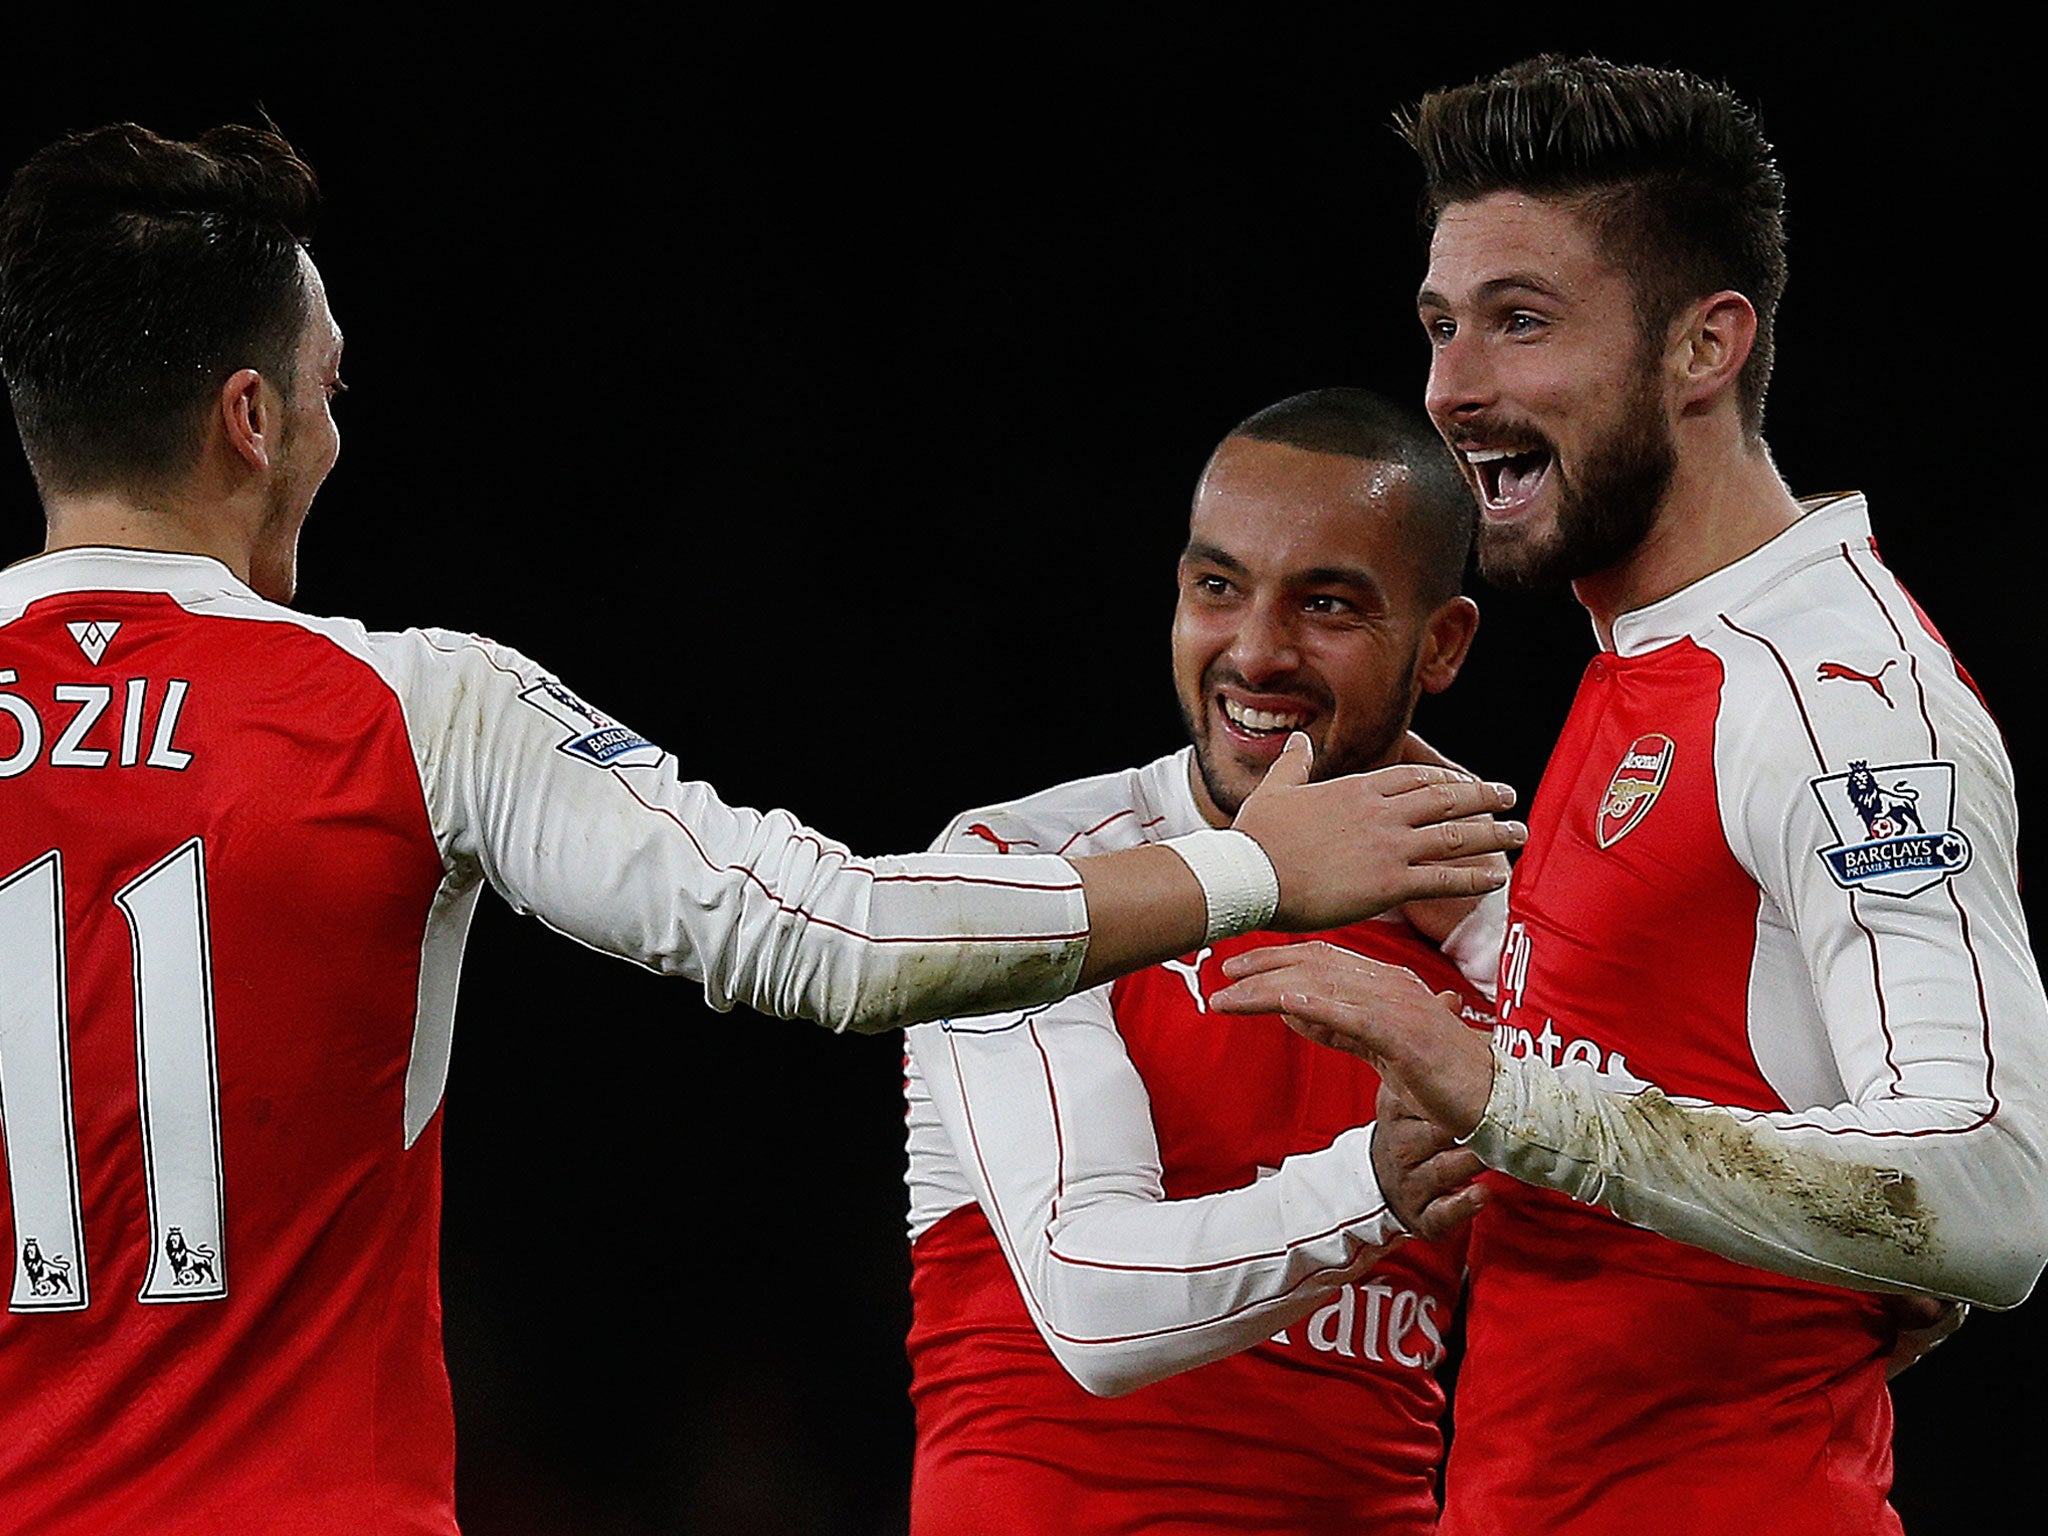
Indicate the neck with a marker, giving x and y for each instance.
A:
(1719, 507)
(1212, 813)
(116, 520)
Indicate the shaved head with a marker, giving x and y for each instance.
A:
(1438, 509)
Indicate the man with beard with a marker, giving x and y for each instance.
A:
(1766, 987)
(240, 848)
(1119, 1188)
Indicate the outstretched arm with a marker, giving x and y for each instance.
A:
(577, 819)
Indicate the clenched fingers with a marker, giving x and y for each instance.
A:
(1420, 1167)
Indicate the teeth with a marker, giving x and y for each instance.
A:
(1261, 719)
(1486, 455)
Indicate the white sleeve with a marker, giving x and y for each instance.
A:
(1474, 946)
(576, 819)
(1051, 1124)
(1920, 1166)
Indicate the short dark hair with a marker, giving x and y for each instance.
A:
(137, 274)
(1673, 171)
(1360, 424)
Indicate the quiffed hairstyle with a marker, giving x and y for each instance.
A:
(137, 274)
(1359, 424)
(1672, 170)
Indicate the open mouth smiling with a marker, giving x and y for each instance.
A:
(1261, 724)
(1508, 479)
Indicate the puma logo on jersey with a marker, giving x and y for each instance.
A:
(1190, 972)
(93, 636)
(982, 830)
(1834, 671)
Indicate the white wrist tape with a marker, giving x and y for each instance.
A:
(1237, 879)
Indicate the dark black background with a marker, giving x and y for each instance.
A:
(824, 400)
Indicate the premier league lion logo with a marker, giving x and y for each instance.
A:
(1885, 812)
(1896, 827)
(46, 1276)
(189, 1265)
(594, 736)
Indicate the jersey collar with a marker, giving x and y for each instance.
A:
(97, 568)
(1830, 523)
(1171, 794)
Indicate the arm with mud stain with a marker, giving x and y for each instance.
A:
(1908, 1195)
(1903, 1021)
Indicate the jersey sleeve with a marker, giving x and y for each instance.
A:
(577, 820)
(1882, 832)
(1053, 1129)
(1474, 946)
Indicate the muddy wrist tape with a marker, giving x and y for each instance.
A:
(1237, 879)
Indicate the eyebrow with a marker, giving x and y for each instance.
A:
(1200, 553)
(1210, 554)
(1336, 576)
(1492, 288)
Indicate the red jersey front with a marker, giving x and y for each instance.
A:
(1765, 990)
(1189, 1165)
(1750, 1402)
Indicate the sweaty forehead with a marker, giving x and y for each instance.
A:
(1273, 503)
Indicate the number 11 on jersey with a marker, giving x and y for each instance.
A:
(176, 1078)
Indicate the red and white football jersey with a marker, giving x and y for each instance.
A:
(239, 849)
(1125, 1191)
(1770, 867)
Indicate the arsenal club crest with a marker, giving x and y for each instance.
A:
(1634, 787)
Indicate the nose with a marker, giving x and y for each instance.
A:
(1265, 645)
(1460, 382)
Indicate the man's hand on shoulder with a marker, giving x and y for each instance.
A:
(1351, 848)
(1437, 920)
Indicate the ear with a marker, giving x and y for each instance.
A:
(1713, 341)
(1446, 639)
(249, 417)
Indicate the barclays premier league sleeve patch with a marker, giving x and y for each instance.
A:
(1895, 827)
(593, 735)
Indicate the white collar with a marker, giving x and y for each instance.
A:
(103, 568)
(1830, 523)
